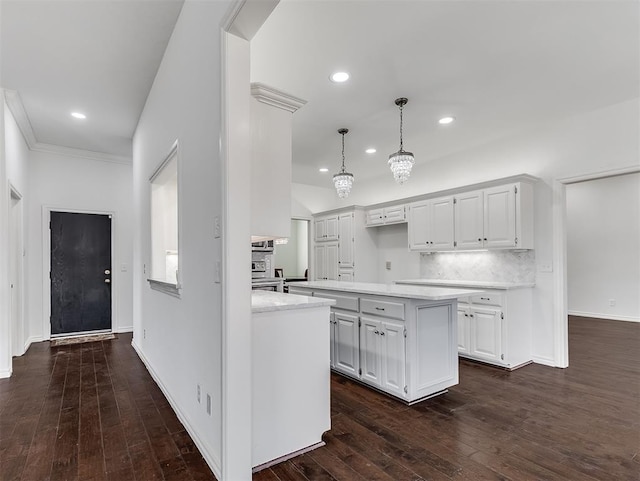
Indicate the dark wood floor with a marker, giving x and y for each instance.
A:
(91, 412)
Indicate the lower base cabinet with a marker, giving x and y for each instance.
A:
(404, 347)
(495, 327)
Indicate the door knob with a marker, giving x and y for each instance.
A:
(107, 281)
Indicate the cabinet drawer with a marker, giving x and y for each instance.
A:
(487, 299)
(348, 303)
(300, 292)
(383, 308)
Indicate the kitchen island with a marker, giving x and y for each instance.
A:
(398, 339)
(290, 375)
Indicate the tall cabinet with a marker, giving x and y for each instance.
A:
(343, 248)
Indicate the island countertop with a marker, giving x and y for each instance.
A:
(266, 301)
(462, 283)
(429, 293)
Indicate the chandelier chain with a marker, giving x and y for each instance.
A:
(401, 145)
(343, 169)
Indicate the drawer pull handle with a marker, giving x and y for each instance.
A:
(379, 308)
(485, 298)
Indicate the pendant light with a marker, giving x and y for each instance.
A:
(343, 180)
(401, 162)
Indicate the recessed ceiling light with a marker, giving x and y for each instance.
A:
(78, 115)
(339, 77)
(371, 151)
(323, 169)
(446, 120)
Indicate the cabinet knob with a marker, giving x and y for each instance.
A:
(479, 239)
(470, 315)
(485, 239)
(466, 315)
(381, 333)
(376, 332)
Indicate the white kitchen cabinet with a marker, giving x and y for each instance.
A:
(345, 240)
(431, 225)
(346, 343)
(356, 246)
(326, 261)
(271, 119)
(469, 220)
(500, 216)
(386, 215)
(382, 354)
(402, 346)
(495, 327)
(326, 228)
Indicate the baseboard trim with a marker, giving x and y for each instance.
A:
(608, 317)
(211, 460)
(5, 373)
(123, 330)
(544, 361)
(30, 341)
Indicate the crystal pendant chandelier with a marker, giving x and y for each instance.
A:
(402, 161)
(343, 180)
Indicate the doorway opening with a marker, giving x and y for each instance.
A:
(16, 274)
(292, 258)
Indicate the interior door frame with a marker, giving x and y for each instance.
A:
(17, 330)
(560, 314)
(46, 265)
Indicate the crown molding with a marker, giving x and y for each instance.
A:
(14, 102)
(276, 98)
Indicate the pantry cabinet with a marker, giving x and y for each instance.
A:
(326, 261)
(356, 246)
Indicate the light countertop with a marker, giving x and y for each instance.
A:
(267, 301)
(472, 284)
(429, 293)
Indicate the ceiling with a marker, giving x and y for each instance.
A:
(95, 57)
(497, 66)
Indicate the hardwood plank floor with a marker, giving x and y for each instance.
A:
(92, 412)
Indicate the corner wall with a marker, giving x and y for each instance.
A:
(180, 339)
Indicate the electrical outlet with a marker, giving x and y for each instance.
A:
(388, 265)
(198, 393)
(209, 404)
(545, 267)
(216, 227)
(612, 303)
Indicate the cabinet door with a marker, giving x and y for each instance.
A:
(319, 230)
(394, 214)
(375, 217)
(346, 275)
(486, 334)
(463, 330)
(345, 242)
(347, 345)
(392, 357)
(500, 216)
(441, 224)
(370, 351)
(469, 226)
(331, 227)
(319, 259)
(418, 226)
(331, 261)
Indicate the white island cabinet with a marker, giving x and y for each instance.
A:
(290, 375)
(401, 340)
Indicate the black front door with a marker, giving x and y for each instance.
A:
(80, 272)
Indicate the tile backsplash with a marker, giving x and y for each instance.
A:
(495, 266)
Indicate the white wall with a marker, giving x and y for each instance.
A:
(598, 141)
(180, 338)
(76, 184)
(603, 247)
(5, 330)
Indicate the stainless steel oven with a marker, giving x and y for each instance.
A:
(261, 264)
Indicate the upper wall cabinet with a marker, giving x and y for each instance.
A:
(271, 118)
(431, 225)
(386, 215)
(498, 217)
(326, 228)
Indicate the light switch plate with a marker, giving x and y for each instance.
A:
(545, 267)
